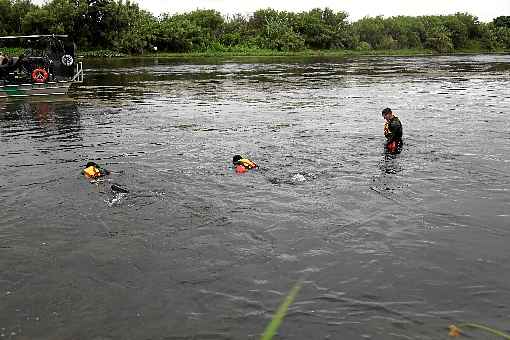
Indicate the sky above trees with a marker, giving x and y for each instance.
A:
(485, 10)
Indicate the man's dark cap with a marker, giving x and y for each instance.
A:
(386, 110)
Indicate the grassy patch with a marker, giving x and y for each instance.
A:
(273, 53)
(306, 53)
(12, 51)
(254, 52)
(102, 54)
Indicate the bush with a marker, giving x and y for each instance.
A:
(364, 46)
(279, 36)
(323, 29)
(495, 37)
(388, 43)
(440, 40)
(234, 31)
(274, 31)
(179, 34)
(370, 30)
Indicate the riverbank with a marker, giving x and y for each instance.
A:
(273, 53)
(268, 53)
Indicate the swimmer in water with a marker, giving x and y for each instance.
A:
(242, 164)
(94, 171)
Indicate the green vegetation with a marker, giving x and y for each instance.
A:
(117, 27)
(281, 312)
(455, 330)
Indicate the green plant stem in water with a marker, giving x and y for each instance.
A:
(278, 317)
(485, 328)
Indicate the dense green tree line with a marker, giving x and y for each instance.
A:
(122, 26)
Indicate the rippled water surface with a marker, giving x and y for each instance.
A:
(388, 247)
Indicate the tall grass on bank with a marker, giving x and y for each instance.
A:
(12, 51)
(256, 52)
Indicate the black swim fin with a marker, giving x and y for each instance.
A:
(118, 188)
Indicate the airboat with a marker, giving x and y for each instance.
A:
(48, 67)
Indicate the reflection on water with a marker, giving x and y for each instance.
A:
(391, 246)
(58, 112)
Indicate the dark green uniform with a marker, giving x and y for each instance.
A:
(393, 134)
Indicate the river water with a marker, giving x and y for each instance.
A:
(387, 247)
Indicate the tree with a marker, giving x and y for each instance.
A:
(408, 32)
(439, 39)
(235, 32)
(194, 31)
(141, 32)
(210, 21)
(370, 30)
(36, 21)
(274, 30)
(279, 35)
(5, 16)
(121, 25)
(179, 34)
(502, 21)
(495, 37)
(323, 28)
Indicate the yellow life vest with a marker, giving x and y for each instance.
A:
(387, 127)
(92, 172)
(248, 164)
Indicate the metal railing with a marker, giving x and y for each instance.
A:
(78, 73)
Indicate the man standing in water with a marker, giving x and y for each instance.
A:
(392, 131)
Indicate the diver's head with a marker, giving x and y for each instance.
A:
(91, 164)
(236, 158)
(387, 114)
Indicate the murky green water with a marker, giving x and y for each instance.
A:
(389, 248)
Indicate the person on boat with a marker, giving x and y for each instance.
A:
(243, 164)
(392, 132)
(94, 171)
(6, 61)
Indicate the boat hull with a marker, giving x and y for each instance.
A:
(57, 88)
